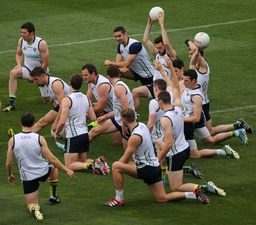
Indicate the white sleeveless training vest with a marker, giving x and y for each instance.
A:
(179, 142)
(27, 151)
(50, 92)
(145, 154)
(117, 105)
(186, 98)
(31, 52)
(203, 80)
(76, 122)
(103, 80)
(142, 64)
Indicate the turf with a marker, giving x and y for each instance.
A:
(80, 32)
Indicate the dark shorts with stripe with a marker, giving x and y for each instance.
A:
(150, 174)
(78, 144)
(143, 80)
(119, 128)
(151, 90)
(200, 123)
(56, 108)
(33, 185)
(189, 131)
(206, 110)
(176, 162)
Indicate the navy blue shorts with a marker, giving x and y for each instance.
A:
(56, 108)
(33, 185)
(78, 144)
(176, 162)
(206, 111)
(151, 90)
(200, 123)
(119, 128)
(150, 174)
(143, 80)
(189, 131)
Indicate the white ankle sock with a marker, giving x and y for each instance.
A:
(119, 195)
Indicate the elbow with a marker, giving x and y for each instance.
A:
(8, 165)
(197, 119)
(145, 40)
(62, 124)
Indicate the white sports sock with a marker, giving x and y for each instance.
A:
(190, 195)
(221, 152)
(236, 132)
(119, 195)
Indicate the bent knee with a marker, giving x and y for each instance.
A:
(161, 199)
(15, 74)
(209, 140)
(175, 187)
(94, 132)
(116, 166)
(135, 92)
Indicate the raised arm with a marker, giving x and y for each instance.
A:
(146, 37)
(166, 124)
(158, 66)
(167, 44)
(153, 107)
(197, 61)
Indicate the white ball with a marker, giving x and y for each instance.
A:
(202, 39)
(154, 12)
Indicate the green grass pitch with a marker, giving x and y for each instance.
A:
(80, 32)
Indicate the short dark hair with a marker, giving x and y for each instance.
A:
(191, 74)
(113, 72)
(76, 81)
(165, 97)
(90, 67)
(178, 63)
(119, 29)
(27, 120)
(30, 27)
(158, 40)
(38, 71)
(161, 84)
(128, 115)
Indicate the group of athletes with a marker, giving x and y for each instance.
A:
(179, 109)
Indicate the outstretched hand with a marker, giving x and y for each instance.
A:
(70, 173)
(158, 66)
(11, 179)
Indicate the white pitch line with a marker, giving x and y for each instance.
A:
(136, 35)
(233, 109)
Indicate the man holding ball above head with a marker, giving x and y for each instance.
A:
(199, 64)
(160, 49)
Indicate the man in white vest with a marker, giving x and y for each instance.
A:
(33, 157)
(34, 52)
